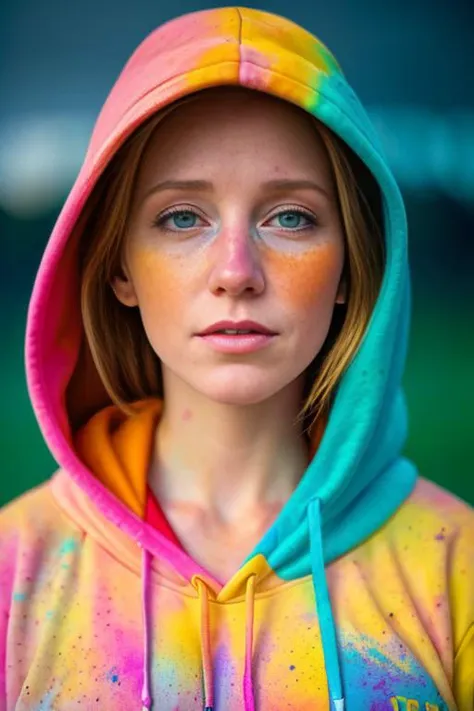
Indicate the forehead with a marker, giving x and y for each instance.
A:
(226, 124)
(236, 102)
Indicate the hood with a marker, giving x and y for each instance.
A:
(357, 477)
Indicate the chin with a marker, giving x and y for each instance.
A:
(241, 391)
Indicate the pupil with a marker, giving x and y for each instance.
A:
(290, 218)
(186, 219)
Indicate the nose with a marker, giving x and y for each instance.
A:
(236, 263)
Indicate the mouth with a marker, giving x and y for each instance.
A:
(244, 327)
(241, 342)
(236, 332)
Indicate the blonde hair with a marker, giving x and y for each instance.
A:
(126, 363)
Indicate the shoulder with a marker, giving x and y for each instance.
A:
(433, 529)
(432, 538)
(32, 512)
(433, 512)
(428, 545)
(34, 517)
(32, 528)
(444, 526)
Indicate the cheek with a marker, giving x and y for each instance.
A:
(156, 283)
(308, 280)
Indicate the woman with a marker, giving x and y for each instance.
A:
(232, 525)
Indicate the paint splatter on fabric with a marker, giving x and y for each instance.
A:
(360, 596)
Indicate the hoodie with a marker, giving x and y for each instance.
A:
(360, 595)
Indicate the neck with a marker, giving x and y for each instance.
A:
(228, 459)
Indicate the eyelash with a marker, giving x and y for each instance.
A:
(161, 219)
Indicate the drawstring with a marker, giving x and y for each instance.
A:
(146, 695)
(249, 704)
(146, 700)
(207, 669)
(206, 647)
(323, 604)
(325, 616)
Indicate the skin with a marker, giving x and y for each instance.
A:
(227, 454)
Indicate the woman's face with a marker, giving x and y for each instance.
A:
(250, 230)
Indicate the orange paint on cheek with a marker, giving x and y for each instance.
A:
(157, 281)
(306, 276)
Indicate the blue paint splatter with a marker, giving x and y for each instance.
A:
(69, 545)
(113, 675)
(47, 701)
(292, 667)
(19, 597)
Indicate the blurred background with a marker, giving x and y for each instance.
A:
(411, 63)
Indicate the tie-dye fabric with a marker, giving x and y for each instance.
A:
(360, 596)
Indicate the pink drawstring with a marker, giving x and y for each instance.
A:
(249, 703)
(146, 696)
(206, 648)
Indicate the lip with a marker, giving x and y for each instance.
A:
(237, 344)
(237, 325)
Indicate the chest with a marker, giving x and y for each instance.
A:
(90, 647)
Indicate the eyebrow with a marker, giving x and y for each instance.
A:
(206, 186)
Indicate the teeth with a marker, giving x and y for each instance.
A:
(232, 331)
